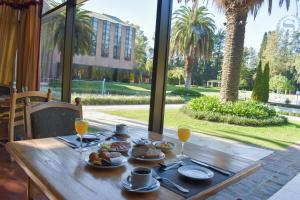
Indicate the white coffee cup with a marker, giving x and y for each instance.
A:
(121, 129)
(140, 177)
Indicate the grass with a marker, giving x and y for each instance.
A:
(118, 88)
(273, 137)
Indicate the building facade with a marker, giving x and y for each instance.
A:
(112, 51)
(112, 44)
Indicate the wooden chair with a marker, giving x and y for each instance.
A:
(51, 119)
(5, 89)
(17, 109)
(5, 92)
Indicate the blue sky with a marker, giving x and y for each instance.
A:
(143, 13)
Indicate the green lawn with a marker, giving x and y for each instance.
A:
(118, 88)
(275, 137)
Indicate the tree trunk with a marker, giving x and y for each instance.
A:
(236, 17)
(188, 71)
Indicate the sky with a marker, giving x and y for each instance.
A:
(143, 13)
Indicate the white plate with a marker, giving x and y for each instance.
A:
(155, 184)
(118, 163)
(162, 156)
(157, 143)
(195, 172)
(111, 150)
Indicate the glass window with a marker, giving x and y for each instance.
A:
(50, 4)
(51, 52)
(94, 36)
(105, 39)
(117, 41)
(128, 43)
(109, 78)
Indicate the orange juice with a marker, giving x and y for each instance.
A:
(81, 127)
(184, 134)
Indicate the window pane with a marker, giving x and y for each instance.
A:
(50, 4)
(112, 60)
(52, 44)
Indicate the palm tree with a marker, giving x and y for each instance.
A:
(82, 36)
(236, 12)
(177, 73)
(192, 36)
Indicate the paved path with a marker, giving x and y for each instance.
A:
(291, 190)
(277, 170)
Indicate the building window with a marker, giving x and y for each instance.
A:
(105, 39)
(128, 43)
(117, 41)
(94, 35)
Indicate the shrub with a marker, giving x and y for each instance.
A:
(122, 100)
(231, 119)
(246, 113)
(249, 109)
(186, 92)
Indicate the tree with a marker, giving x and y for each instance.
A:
(280, 83)
(82, 37)
(141, 43)
(271, 53)
(261, 86)
(177, 73)
(192, 36)
(236, 12)
(266, 84)
(248, 68)
(263, 46)
(257, 89)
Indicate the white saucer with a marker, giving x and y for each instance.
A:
(155, 184)
(195, 172)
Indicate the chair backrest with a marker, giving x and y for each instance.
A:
(17, 109)
(5, 89)
(51, 119)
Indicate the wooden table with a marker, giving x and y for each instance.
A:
(60, 172)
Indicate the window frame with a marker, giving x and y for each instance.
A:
(160, 60)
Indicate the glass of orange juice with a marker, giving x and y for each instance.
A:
(81, 127)
(184, 133)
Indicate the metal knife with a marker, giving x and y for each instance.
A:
(212, 167)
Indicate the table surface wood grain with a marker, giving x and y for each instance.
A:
(61, 173)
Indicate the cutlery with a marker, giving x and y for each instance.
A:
(168, 164)
(159, 178)
(173, 165)
(144, 188)
(211, 167)
(68, 142)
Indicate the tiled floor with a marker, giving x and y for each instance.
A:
(290, 190)
(13, 181)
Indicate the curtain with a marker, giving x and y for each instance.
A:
(25, 41)
(8, 42)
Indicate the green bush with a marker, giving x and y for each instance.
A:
(231, 119)
(249, 109)
(246, 113)
(122, 100)
(186, 92)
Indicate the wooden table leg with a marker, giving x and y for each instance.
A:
(30, 191)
